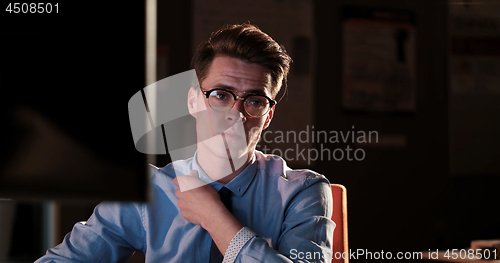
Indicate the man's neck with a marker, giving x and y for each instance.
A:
(219, 168)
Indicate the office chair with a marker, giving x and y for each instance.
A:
(339, 216)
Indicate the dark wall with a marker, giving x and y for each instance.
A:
(402, 198)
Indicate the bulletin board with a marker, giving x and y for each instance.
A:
(378, 63)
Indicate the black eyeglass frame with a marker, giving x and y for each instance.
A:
(236, 97)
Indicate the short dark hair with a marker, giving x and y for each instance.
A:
(248, 43)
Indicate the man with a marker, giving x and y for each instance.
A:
(264, 211)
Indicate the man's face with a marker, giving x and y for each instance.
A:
(240, 130)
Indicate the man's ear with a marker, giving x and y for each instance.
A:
(269, 117)
(192, 101)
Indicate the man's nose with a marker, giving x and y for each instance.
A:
(237, 111)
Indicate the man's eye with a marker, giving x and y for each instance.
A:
(220, 95)
(256, 102)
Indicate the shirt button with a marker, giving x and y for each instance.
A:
(239, 189)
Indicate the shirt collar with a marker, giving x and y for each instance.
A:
(238, 185)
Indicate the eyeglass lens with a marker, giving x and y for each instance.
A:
(221, 100)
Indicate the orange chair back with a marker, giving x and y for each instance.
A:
(339, 216)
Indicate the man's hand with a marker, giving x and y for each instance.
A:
(200, 204)
(198, 201)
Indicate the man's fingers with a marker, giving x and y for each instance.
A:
(176, 183)
(188, 182)
(193, 173)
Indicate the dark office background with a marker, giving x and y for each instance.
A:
(400, 199)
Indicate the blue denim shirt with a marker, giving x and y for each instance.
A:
(289, 210)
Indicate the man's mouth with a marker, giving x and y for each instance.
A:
(233, 134)
(235, 130)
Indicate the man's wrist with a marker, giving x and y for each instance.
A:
(222, 226)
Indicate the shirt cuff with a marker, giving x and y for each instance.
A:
(237, 243)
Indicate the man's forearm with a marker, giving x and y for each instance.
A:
(222, 226)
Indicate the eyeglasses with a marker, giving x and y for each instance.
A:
(222, 100)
